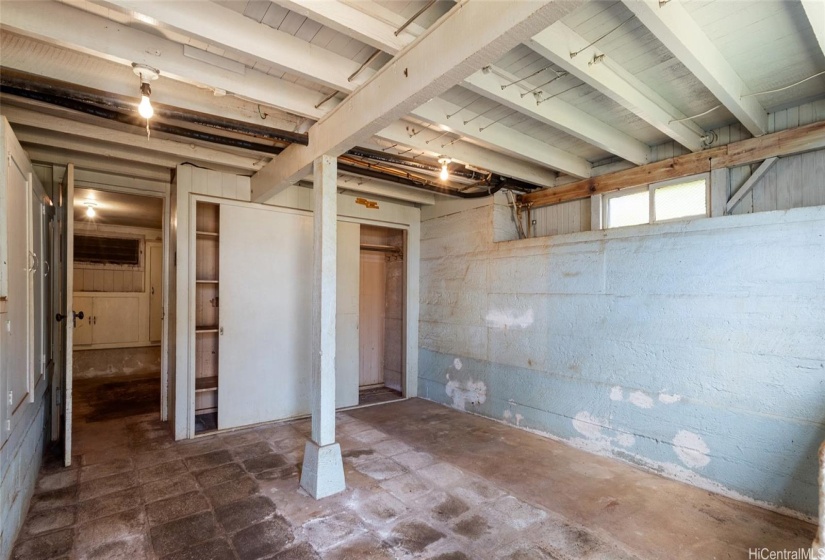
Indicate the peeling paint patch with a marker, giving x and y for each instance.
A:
(626, 440)
(691, 449)
(457, 364)
(509, 319)
(616, 394)
(669, 399)
(640, 399)
(461, 393)
(588, 425)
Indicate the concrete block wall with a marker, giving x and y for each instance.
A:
(694, 349)
(18, 472)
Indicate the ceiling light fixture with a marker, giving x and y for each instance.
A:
(146, 75)
(90, 208)
(445, 173)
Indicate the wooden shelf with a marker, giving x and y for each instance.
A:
(200, 411)
(206, 281)
(206, 234)
(205, 329)
(206, 384)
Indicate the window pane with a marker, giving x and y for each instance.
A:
(628, 210)
(678, 201)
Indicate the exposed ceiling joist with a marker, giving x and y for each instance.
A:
(48, 61)
(106, 39)
(221, 26)
(160, 163)
(560, 115)
(815, 11)
(678, 31)
(186, 151)
(467, 153)
(505, 139)
(427, 68)
(353, 22)
(557, 42)
(43, 153)
(386, 190)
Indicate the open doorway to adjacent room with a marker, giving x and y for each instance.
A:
(118, 286)
(381, 315)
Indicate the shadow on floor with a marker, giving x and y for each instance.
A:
(111, 398)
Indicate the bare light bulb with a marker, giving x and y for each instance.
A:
(145, 108)
(445, 174)
(90, 212)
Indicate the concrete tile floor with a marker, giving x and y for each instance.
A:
(423, 481)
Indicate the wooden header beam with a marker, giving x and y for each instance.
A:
(779, 144)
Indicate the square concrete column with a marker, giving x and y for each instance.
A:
(323, 471)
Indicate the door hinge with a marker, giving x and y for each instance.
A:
(11, 398)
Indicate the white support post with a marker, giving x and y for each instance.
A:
(323, 472)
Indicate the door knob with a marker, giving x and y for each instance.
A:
(78, 315)
(59, 317)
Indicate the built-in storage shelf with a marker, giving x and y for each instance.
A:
(203, 384)
(207, 259)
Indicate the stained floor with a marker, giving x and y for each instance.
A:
(423, 481)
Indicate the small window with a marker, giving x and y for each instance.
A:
(680, 200)
(107, 250)
(628, 209)
(660, 202)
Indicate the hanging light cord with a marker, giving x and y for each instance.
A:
(573, 54)
(695, 116)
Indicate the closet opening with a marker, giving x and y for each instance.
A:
(118, 287)
(381, 315)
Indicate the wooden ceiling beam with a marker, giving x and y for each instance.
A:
(779, 144)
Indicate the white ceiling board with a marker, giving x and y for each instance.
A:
(118, 209)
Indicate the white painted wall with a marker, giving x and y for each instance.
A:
(691, 348)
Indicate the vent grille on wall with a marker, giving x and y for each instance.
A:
(106, 250)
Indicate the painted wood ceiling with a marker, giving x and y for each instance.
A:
(631, 86)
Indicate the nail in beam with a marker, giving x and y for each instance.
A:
(323, 472)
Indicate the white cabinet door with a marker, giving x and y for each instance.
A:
(346, 326)
(116, 319)
(17, 322)
(265, 315)
(83, 327)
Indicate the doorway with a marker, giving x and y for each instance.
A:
(117, 285)
(381, 315)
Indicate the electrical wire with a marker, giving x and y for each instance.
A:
(481, 114)
(510, 114)
(540, 101)
(464, 107)
(558, 75)
(527, 77)
(784, 87)
(712, 109)
(573, 54)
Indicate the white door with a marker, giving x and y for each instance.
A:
(265, 315)
(372, 308)
(346, 326)
(68, 312)
(58, 331)
(155, 292)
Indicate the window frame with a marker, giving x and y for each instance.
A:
(651, 206)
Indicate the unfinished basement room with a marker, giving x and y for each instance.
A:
(396, 279)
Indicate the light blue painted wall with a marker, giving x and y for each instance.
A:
(696, 349)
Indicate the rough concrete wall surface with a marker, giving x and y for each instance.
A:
(18, 474)
(115, 361)
(693, 348)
